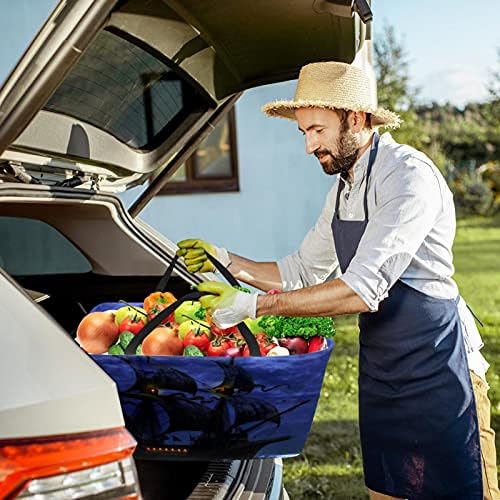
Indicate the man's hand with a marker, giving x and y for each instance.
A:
(227, 305)
(194, 251)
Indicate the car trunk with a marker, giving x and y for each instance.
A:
(127, 267)
(124, 268)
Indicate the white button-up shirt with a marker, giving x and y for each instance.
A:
(409, 235)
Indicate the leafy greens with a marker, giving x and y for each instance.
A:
(286, 326)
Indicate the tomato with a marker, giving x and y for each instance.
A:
(261, 338)
(199, 339)
(222, 332)
(133, 325)
(158, 298)
(157, 309)
(264, 345)
(219, 346)
(316, 343)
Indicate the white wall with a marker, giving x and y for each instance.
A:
(19, 23)
(281, 192)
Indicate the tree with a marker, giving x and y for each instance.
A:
(391, 69)
(491, 110)
(396, 93)
(494, 84)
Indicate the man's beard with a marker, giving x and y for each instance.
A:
(347, 153)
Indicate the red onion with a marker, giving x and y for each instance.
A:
(296, 345)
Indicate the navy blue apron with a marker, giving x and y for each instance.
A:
(417, 415)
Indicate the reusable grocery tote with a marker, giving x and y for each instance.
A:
(218, 407)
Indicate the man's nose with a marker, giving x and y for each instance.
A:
(311, 144)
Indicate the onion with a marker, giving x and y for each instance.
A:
(97, 331)
(233, 352)
(278, 351)
(163, 341)
(296, 345)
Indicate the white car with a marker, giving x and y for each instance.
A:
(110, 95)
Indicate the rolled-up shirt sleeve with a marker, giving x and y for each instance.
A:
(408, 203)
(315, 260)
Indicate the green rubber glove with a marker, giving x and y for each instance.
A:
(194, 252)
(227, 305)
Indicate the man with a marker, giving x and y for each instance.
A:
(388, 226)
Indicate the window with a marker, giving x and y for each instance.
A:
(213, 166)
(31, 247)
(127, 91)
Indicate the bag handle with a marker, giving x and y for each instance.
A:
(162, 284)
(247, 335)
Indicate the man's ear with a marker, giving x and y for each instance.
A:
(357, 120)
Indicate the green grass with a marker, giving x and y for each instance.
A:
(330, 465)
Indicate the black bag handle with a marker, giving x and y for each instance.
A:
(248, 336)
(162, 284)
(157, 320)
(223, 270)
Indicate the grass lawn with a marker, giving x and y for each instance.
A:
(330, 465)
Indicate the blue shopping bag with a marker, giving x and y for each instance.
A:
(203, 408)
(218, 407)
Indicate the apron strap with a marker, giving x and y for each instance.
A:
(371, 161)
(474, 315)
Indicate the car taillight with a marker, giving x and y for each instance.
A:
(72, 466)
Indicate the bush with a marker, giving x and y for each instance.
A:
(472, 194)
(490, 173)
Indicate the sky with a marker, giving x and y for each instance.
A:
(451, 44)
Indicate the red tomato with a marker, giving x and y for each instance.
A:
(156, 309)
(199, 339)
(218, 347)
(131, 325)
(221, 332)
(261, 338)
(316, 343)
(264, 347)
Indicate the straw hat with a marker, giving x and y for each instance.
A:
(333, 85)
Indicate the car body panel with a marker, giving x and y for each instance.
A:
(49, 386)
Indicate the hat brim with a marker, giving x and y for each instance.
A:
(381, 117)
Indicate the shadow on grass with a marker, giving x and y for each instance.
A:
(332, 442)
(330, 465)
(327, 487)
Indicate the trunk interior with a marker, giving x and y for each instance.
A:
(122, 262)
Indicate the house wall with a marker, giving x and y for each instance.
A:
(281, 192)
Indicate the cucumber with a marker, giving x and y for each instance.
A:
(192, 350)
(116, 350)
(125, 339)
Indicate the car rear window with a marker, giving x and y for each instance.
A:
(127, 90)
(31, 247)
